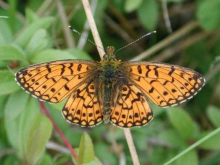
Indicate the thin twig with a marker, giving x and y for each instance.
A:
(57, 147)
(171, 51)
(166, 16)
(131, 146)
(122, 33)
(82, 40)
(93, 27)
(43, 7)
(101, 53)
(117, 149)
(66, 31)
(167, 41)
(66, 142)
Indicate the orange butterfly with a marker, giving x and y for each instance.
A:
(109, 90)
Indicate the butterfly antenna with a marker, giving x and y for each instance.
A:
(74, 30)
(136, 41)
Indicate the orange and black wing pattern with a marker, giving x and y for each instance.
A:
(131, 108)
(164, 84)
(53, 81)
(83, 107)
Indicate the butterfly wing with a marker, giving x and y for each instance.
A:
(83, 107)
(165, 85)
(54, 81)
(131, 108)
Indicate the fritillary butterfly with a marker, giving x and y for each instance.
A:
(109, 90)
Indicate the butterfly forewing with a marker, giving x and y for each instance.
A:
(83, 107)
(164, 84)
(54, 81)
(131, 109)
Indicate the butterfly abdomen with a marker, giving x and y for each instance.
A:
(109, 77)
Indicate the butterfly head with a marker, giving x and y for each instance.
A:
(110, 53)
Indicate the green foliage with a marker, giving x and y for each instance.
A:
(208, 14)
(186, 127)
(148, 14)
(86, 150)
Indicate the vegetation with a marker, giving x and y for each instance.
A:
(188, 34)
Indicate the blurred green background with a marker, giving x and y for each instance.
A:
(188, 34)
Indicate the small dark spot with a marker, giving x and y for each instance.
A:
(97, 111)
(59, 93)
(186, 84)
(66, 87)
(92, 87)
(33, 80)
(84, 114)
(90, 114)
(190, 79)
(136, 115)
(78, 112)
(44, 86)
(124, 88)
(123, 116)
(117, 113)
(29, 74)
(142, 113)
(158, 97)
(130, 116)
(181, 87)
(151, 90)
(139, 69)
(173, 90)
(36, 83)
(165, 93)
(52, 90)
(79, 67)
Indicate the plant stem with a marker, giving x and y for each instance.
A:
(101, 53)
(194, 145)
(131, 146)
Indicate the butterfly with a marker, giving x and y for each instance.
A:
(109, 90)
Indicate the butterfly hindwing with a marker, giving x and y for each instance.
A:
(83, 107)
(131, 108)
(53, 81)
(164, 84)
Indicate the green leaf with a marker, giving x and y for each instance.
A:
(5, 33)
(11, 53)
(148, 14)
(51, 55)
(212, 143)
(86, 150)
(38, 42)
(37, 137)
(31, 16)
(182, 122)
(15, 104)
(131, 5)
(7, 83)
(214, 115)
(26, 35)
(190, 157)
(208, 14)
(32, 109)
(172, 138)
(79, 54)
